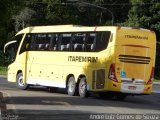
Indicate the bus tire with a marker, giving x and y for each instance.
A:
(71, 86)
(82, 88)
(20, 83)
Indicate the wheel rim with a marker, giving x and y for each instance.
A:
(82, 87)
(20, 81)
(71, 86)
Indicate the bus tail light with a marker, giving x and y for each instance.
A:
(150, 81)
(112, 74)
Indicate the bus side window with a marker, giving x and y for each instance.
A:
(47, 43)
(78, 42)
(65, 42)
(33, 46)
(53, 41)
(26, 44)
(102, 40)
(41, 42)
(90, 42)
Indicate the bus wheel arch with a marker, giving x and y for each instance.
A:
(82, 86)
(19, 81)
(19, 71)
(71, 85)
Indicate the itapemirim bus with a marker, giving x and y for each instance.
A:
(102, 59)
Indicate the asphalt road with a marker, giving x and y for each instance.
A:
(41, 104)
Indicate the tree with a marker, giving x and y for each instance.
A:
(3, 14)
(23, 19)
(146, 14)
(85, 14)
(8, 8)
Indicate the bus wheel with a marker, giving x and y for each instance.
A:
(71, 86)
(83, 88)
(20, 82)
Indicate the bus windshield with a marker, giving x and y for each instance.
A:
(11, 48)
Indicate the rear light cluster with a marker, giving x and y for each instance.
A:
(112, 73)
(150, 81)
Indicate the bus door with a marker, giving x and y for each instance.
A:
(10, 53)
(23, 56)
(11, 49)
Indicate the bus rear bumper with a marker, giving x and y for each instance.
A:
(130, 88)
(135, 89)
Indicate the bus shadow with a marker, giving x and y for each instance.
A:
(137, 99)
(150, 102)
(61, 106)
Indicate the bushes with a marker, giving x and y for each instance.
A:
(3, 60)
(3, 70)
(3, 63)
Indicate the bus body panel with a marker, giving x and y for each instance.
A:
(18, 65)
(132, 51)
(56, 68)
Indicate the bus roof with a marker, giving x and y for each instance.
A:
(65, 28)
(72, 28)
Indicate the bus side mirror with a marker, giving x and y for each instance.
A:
(6, 46)
(9, 51)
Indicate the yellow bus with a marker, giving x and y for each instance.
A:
(101, 59)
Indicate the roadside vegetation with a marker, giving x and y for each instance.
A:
(3, 64)
(3, 70)
(155, 80)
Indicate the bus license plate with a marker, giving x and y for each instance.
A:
(132, 87)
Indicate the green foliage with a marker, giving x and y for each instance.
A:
(23, 19)
(2, 59)
(145, 14)
(3, 70)
(8, 8)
